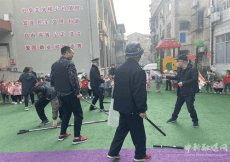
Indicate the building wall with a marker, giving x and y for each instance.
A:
(41, 60)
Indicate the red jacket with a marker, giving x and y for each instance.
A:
(226, 79)
(6, 89)
(84, 84)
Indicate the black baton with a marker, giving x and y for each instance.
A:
(155, 126)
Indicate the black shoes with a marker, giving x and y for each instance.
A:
(195, 125)
(171, 120)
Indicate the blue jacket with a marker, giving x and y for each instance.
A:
(158, 79)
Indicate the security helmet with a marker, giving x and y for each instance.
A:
(134, 49)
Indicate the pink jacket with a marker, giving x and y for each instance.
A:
(220, 85)
(149, 80)
(17, 90)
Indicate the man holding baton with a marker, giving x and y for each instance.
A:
(64, 79)
(130, 99)
(187, 78)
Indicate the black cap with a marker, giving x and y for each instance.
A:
(96, 60)
(134, 49)
(182, 57)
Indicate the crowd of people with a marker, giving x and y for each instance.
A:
(128, 88)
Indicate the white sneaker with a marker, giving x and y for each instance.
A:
(29, 100)
(26, 109)
(215, 92)
(32, 105)
(12, 102)
(20, 102)
(86, 97)
(15, 103)
(220, 93)
(90, 97)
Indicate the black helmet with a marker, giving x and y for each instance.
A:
(134, 49)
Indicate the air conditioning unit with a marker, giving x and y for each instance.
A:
(195, 3)
(6, 17)
(215, 17)
(208, 12)
(202, 49)
(100, 25)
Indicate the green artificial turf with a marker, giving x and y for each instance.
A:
(212, 109)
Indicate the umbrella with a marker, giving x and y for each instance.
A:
(168, 43)
(191, 57)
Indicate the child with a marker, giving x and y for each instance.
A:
(17, 92)
(158, 81)
(89, 90)
(149, 82)
(218, 86)
(20, 84)
(11, 92)
(107, 85)
(168, 82)
(201, 85)
(4, 91)
(174, 81)
(84, 87)
(226, 80)
(209, 80)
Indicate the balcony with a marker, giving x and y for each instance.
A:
(102, 28)
(195, 4)
(208, 12)
(225, 15)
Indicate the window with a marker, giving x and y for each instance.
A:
(182, 38)
(163, 34)
(184, 25)
(169, 30)
(223, 49)
(200, 19)
(220, 39)
(169, 7)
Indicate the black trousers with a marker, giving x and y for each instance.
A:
(17, 98)
(168, 84)
(26, 99)
(97, 94)
(227, 86)
(89, 92)
(5, 96)
(208, 85)
(40, 105)
(134, 124)
(84, 92)
(218, 89)
(190, 106)
(71, 104)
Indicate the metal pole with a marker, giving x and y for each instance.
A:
(173, 52)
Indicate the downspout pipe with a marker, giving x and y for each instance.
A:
(90, 31)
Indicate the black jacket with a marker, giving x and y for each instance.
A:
(129, 93)
(49, 92)
(64, 77)
(189, 81)
(34, 74)
(95, 78)
(28, 81)
(112, 71)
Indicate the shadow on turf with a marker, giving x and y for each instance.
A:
(118, 159)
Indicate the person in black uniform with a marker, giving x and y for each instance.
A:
(64, 79)
(187, 78)
(130, 99)
(95, 82)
